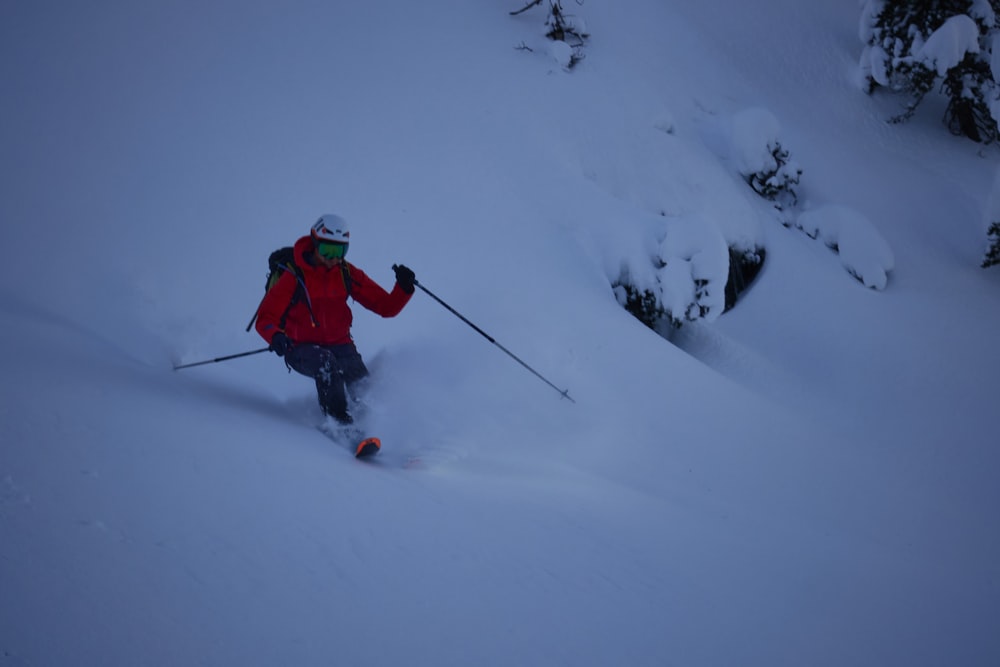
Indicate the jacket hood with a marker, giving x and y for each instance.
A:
(303, 251)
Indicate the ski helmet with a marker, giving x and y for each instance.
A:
(331, 229)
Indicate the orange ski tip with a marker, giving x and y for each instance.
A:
(364, 444)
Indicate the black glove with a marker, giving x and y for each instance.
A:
(281, 344)
(404, 278)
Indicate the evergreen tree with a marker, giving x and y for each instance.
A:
(896, 34)
(993, 254)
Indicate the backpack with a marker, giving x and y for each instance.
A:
(281, 260)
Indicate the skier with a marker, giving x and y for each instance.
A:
(306, 320)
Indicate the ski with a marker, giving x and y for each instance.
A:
(368, 448)
(353, 439)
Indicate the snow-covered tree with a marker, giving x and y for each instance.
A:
(567, 32)
(778, 179)
(685, 295)
(992, 219)
(761, 159)
(912, 45)
(993, 253)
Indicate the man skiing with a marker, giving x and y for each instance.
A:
(305, 318)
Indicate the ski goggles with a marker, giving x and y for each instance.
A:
(331, 250)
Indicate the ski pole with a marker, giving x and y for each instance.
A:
(218, 359)
(562, 392)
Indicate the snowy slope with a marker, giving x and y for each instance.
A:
(807, 479)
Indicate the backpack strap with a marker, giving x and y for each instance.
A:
(299, 293)
(345, 271)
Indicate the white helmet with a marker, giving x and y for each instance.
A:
(331, 228)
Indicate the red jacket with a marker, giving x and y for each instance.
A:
(327, 296)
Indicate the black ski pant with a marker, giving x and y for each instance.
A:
(336, 369)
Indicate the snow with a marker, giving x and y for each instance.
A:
(947, 46)
(862, 250)
(755, 132)
(562, 53)
(808, 479)
(992, 208)
(982, 10)
(995, 59)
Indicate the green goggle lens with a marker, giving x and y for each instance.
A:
(329, 250)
